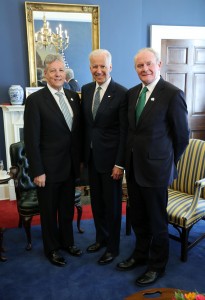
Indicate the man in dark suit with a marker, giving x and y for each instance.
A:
(156, 140)
(52, 144)
(73, 84)
(105, 132)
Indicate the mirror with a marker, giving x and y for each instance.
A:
(82, 25)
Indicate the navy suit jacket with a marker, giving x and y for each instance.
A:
(156, 143)
(108, 132)
(51, 147)
(74, 85)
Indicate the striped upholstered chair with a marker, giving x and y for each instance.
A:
(186, 200)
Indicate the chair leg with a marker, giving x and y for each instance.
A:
(27, 226)
(184, 244)
(128, 221)
(79, 210)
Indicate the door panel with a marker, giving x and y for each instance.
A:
(184, 66)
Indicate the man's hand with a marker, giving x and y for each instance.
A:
(117, 173)
(40, 180)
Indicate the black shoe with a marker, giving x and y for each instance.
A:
(3, 258)
(148, 278)
(73, 250)
(95, 247)
(56, 259)
(129, 264)
(107, 258)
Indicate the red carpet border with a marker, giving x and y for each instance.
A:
(9, 215)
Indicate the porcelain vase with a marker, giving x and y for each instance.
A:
(16, 94)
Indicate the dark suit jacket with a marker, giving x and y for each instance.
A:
(50, 146)
(108, 131)
(74, 85)
(160, 137)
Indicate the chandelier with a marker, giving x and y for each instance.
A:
(48, 39)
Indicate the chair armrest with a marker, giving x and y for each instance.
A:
(199, 184)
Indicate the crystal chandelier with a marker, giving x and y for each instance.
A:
(48, 39)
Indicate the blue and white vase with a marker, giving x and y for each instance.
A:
(16, 94)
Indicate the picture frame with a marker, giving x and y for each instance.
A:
(30, 90)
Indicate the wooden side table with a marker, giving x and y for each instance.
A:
(3, 258)
(155, 293)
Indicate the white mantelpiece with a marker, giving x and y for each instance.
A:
(13, 126)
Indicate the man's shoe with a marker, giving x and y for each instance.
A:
(148, 278)
(56, 259)
(95, 247)
(73, 250)
(129, 264)
(107, 258)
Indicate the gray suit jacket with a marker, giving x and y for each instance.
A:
(51, 147)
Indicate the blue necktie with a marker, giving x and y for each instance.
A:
(65, 110)
(96, 102)
(141, 103)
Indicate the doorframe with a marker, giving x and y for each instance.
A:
(160, 32)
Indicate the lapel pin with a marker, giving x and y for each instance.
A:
(152, 99)
(109, 96)
(71, 99)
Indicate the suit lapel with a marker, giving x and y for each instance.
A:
(72, 103)
(154, 97)
(90, 93)
(132, 106)
(51, 102)
(107, 99)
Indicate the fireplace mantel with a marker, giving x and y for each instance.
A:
(13, 127)
(13, 122)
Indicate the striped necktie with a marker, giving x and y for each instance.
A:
(141, 103)
(96, 102)
(65, 110)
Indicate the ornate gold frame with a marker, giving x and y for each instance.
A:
(94, 10)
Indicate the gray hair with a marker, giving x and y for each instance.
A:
(69, 74)
(50, 58)
(156, 54)
(98, 52)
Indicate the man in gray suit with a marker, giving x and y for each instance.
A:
(105, 132)
(156, 139)
(52, 143)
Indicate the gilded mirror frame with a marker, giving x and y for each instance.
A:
(30, 7)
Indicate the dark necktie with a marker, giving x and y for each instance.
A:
(65, 110)
(141, 103)
(96, 102)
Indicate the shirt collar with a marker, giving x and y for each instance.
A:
(152, 85)
(54, 91)
(104, 85)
